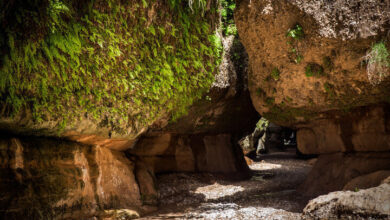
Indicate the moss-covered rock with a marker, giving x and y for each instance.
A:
(109, 68)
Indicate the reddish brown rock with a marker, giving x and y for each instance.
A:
(192, 153)
(248, 160)
(332, 172)
(367, 129)
(307, 71)
(296, 79)
(50, 178)
(367, 181)
(146, 181)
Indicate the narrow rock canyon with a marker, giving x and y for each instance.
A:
(204, 109)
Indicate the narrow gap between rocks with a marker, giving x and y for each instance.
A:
(270, 191)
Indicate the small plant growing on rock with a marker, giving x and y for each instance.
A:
(378, 63)
(298, 59)
(275, 74)
(313, 69)
(295, 33)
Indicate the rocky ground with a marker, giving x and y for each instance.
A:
(269, 194)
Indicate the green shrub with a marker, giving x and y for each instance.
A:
(378, 63)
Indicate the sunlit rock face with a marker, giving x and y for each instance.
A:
(364, 130)
(309, 70)
(48, 178)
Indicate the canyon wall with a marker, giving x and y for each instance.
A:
(97, 97)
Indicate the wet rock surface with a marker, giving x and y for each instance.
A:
(269, 194)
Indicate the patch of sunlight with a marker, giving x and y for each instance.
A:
(217, 190)
(265, 166)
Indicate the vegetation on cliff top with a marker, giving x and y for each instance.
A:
(228, 25)
(113, 61)
(378, 63)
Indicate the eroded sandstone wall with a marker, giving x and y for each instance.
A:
(49, 178)
(191, 153)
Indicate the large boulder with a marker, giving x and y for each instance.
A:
(312, 67)
(372, 203)
(101, 72)
(206, 139)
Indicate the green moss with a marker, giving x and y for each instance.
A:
(329, 89)
(298, 59)
(270, 100)
(106, 60)
(313, 69)
(260, 92)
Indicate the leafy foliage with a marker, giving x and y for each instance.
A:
(228, 25)
(111, 61)
(296, 33)
(262, 123)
